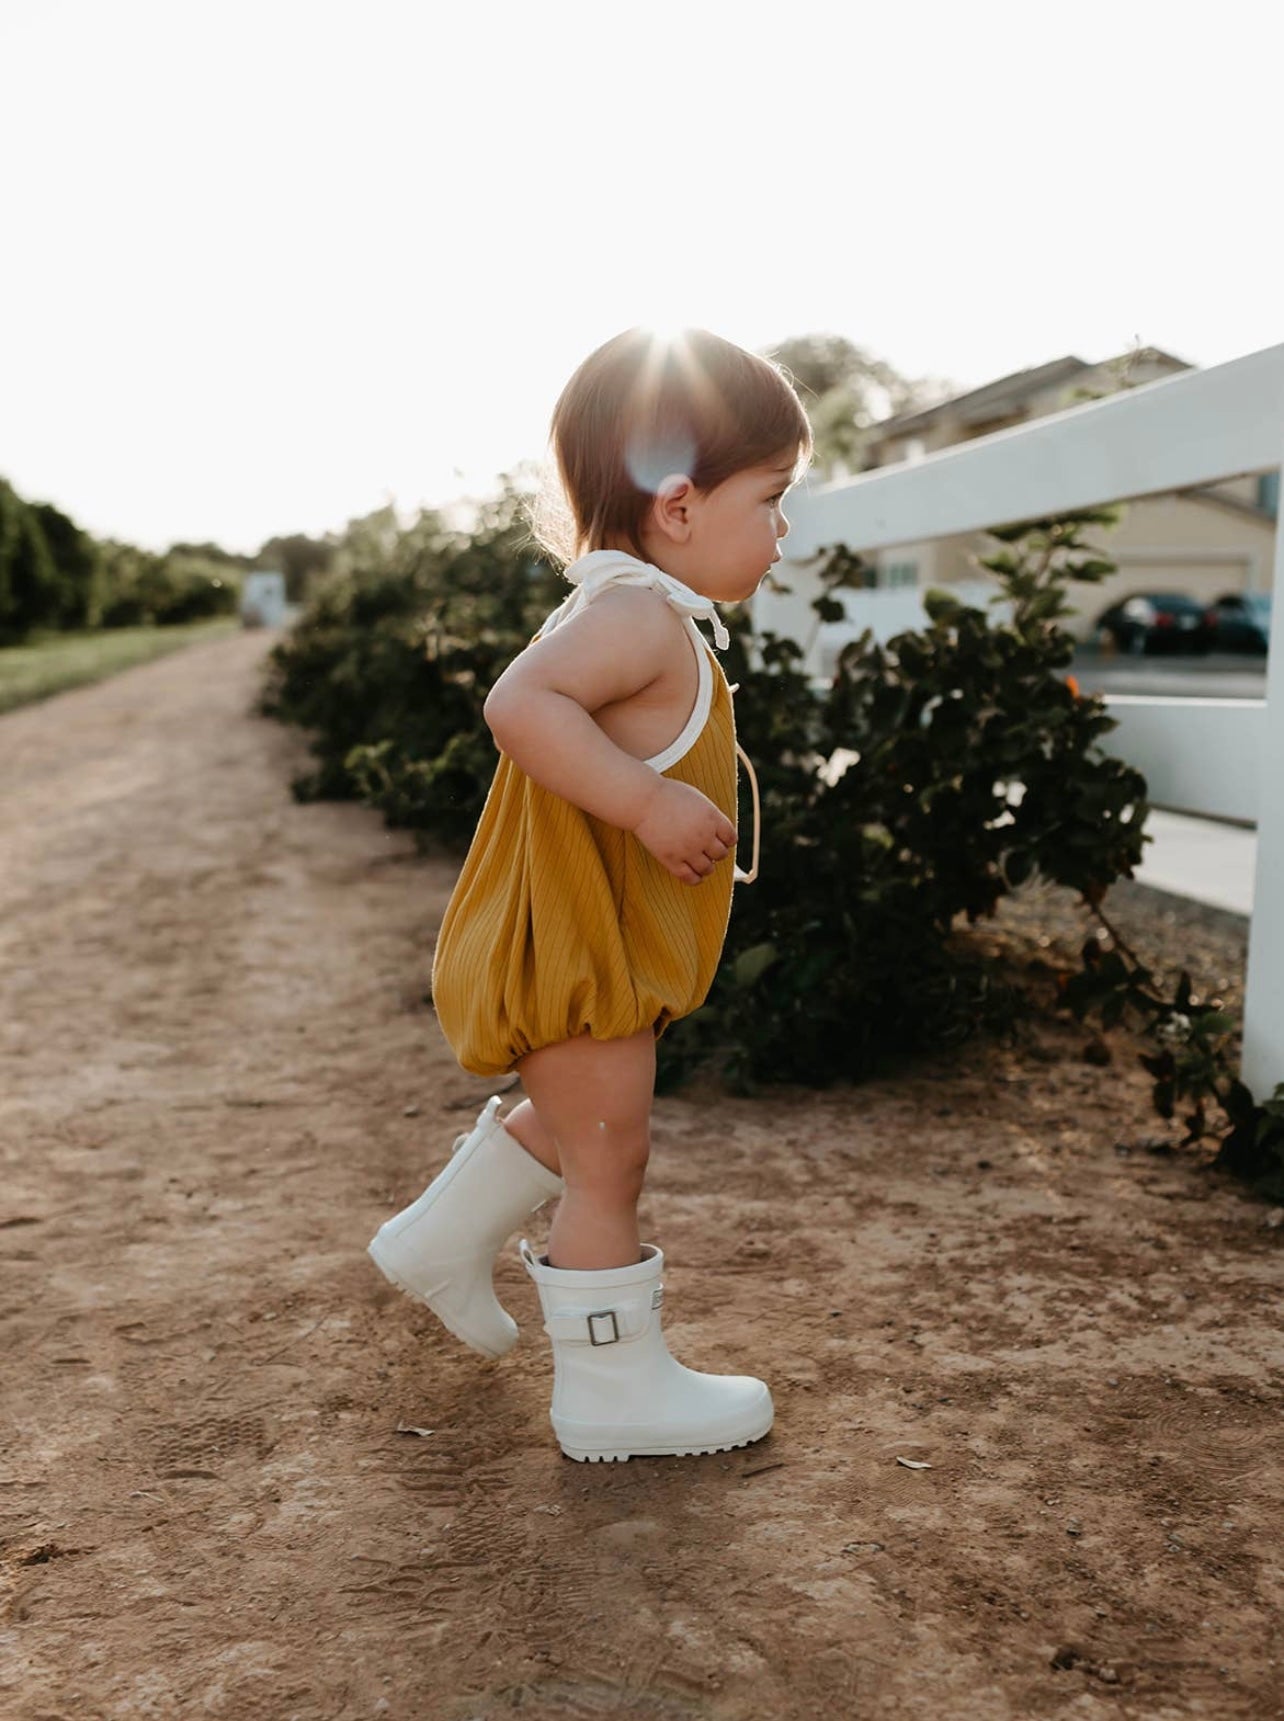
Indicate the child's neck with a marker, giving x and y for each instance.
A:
(665, 556)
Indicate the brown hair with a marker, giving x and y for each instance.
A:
(643, 407)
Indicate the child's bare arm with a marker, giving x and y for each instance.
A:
(539, 712)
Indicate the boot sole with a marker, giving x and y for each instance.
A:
(451, 1326)
(607, 1454)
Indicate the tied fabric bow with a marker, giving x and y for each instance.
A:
(613, 567)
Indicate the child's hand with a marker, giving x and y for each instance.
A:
(685, 832)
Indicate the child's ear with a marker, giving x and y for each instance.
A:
(671, 510)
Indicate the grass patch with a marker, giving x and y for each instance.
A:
(51, 663)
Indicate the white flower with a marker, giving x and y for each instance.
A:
(1176, 1030)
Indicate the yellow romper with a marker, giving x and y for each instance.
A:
(562, 925)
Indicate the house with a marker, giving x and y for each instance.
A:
(1205, 540)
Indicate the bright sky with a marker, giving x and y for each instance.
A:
(268, 264)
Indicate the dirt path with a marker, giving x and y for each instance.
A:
(218, 1075)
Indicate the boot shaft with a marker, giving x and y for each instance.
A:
(608, 1339)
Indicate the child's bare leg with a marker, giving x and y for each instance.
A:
(524, 1125)
(594, 1098)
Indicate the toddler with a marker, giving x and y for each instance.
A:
(593, 903)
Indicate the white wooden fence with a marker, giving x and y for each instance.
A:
(1195, 428)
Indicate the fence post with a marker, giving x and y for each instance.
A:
(1263, 1060)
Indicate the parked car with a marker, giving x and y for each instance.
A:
(1154, 622)
(1243, 622)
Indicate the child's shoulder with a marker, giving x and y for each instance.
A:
(644, 604)
(621, 624)
(639, 617)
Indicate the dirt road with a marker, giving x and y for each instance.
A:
(218, 1075)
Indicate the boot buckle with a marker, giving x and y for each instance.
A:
(604, 1315)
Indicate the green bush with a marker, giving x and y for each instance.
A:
(75, 556)
(937, 773)
(33, 592)
(140, 588)
(390, 665)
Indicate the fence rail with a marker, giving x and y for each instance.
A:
(1199, 427)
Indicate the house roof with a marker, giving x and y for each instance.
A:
(992, 399)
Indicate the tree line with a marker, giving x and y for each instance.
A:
(55, 577)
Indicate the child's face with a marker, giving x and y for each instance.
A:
(736, 530)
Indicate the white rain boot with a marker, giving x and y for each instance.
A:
(442, 1247)
(617, 1391)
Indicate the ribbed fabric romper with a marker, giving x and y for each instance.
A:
(561, 924)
